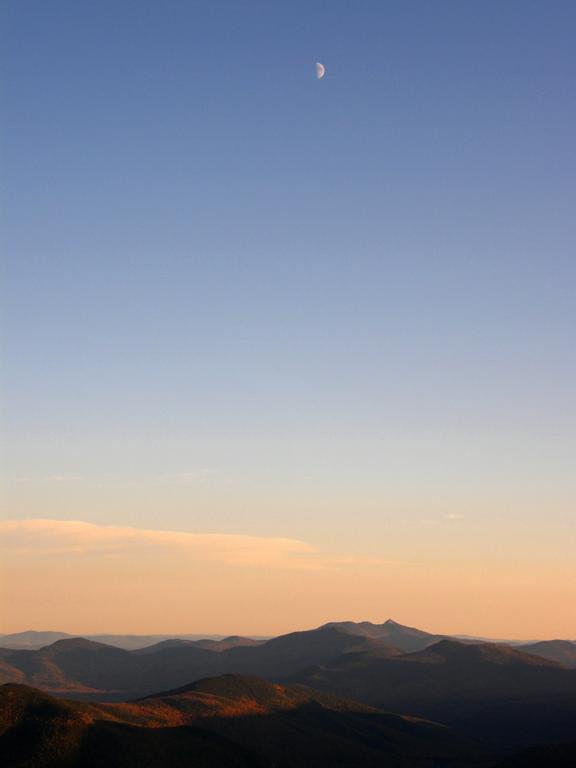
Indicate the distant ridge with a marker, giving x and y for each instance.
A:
(407, 638)
(34, 640)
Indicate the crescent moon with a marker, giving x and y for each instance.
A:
(320, 70)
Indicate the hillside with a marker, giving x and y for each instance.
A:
(39, 731)
(226, 721)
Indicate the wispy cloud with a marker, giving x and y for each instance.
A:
(46, 479)
(75, 537)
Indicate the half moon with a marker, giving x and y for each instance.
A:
(320, 70)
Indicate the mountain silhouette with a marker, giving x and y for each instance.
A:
(406, 638)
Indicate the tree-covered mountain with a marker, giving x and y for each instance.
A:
(221, 722)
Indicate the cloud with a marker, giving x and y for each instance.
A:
(75, 537)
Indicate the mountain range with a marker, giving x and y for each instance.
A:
(405, 638)
(498, 697)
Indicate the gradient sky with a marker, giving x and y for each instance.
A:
(243, 302)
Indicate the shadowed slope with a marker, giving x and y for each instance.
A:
(462, 685)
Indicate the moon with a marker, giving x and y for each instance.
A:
(320, 70)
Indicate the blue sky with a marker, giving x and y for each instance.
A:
(241, 299)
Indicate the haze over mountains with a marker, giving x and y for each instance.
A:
(391, 632)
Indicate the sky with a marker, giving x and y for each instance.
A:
(280, 350)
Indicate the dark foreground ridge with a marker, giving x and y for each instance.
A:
(226, 721)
